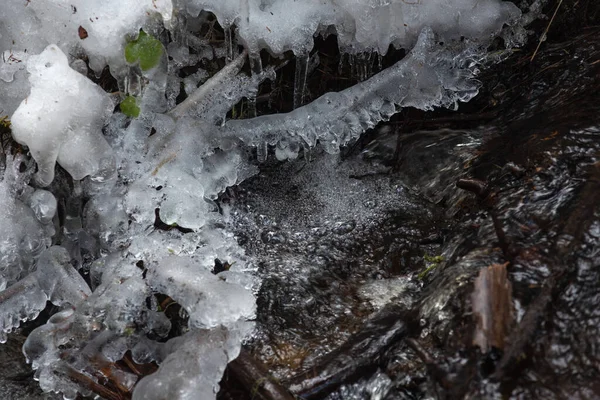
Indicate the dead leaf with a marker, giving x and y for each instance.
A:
(492, 307)
(82, 33)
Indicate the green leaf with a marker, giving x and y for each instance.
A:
(145, 49)
(129, 107)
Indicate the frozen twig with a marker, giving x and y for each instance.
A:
(210, 86)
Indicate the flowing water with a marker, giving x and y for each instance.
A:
(369, 259)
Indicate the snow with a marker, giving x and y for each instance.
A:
(176, 159)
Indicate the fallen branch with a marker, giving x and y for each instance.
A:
(359, 356)
(255, 378)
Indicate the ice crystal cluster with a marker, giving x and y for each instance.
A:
(85, 240)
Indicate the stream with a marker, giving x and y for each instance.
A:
(370, 259)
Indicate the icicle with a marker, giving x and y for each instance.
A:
(307, 152)
(255, 63)
(369, 65)
(252, 104)
(256, 68)
(362, 65)
(262, 152)
(133, 86)
(228, 44)
(300, 79)
(352, 63)
(73, 223)
(341, 63)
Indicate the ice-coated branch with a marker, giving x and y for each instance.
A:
(193, 365)
(209, 301)
(204, 95)
(428, 77)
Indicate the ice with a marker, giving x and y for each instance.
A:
(29, 27)
(300, 79)
(20, 302)
(281, 25)
(185, 169)
(12, 67)
(25, 224)
(59, 280)
(99, 330)
(216, 96)
(61, 120)
(43, 203)
(54, 279)
(208, 300)
(428, 77)
(105, 218)
(193, 367)
(374, 388)
(35, 25)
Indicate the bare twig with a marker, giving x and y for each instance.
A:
(359, 356)
(543, 37)
(255, 377)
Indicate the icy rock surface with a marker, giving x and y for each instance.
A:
(137, 212)
(62, 118)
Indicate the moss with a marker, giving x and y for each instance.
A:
(431, 262)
